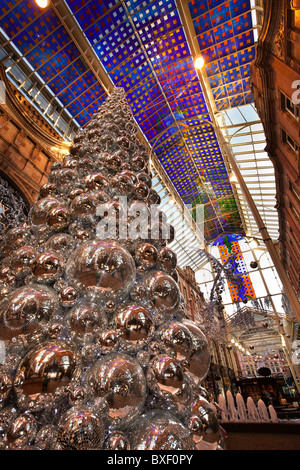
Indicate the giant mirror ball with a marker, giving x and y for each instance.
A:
(80, 428)
(102, 269)
(25, 309)
(121, 381)
(160, 430)
(45, 368)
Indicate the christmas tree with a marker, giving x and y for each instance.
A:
(97, 350)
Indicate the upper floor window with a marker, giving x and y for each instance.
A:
(287, 105)
(289, 141)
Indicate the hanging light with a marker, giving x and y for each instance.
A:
(42, 3)
(199, 63)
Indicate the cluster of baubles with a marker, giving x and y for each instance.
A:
(99, 353)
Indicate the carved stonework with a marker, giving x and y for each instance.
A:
(19, 109)
(20, 138)
(278, 45)
(4, 119)
(271, 36)
(31, 112)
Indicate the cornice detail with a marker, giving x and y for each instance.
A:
(17, 107)
(267, 42)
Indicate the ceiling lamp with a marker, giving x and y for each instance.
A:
(199, 63)
(42, 3)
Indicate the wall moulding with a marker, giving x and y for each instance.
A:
(17, 108)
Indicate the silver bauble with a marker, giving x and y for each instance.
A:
(204, 425)
(45, 368)
(163, 291)
(85, 317)
(120, 380)
(80, 428)
(199, 360)
(25, 309)
(160, 430)
(22, 431)
(135, 323)
(101, 269)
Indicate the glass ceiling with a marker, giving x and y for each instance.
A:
(142, 46)
(244, 132)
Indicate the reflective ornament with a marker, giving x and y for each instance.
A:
(48, 189)
(74, 193)
(78, 394)
(25, 309)
(85, 165)
(46, 368)
(204, 425)
(123, 142)
(141, 190)
(21, 260)
(199, 360)
(84, 207)
(65, 179)
(47, 267)
(101, 269)
(6, 275)
(40, 404)
(58, 218)
(113, 162)
(5, 384)
(163, 292)
(80, 231)
(176, 335)
(117, 440)
(138, 163)
(122, 184)
(85, 317)
(126, 171)
(22, 431)
(146, 255)
(138, 293)
(62, 243)
(167, 259)
(159, 234)
(45, 437)
(160, 430)
(80, 428)
(120, 380)
(55, 166)
(7, 416)
(110, 306)
(68, 296)
(143, 357)
(69, 162)
(14, 239)
(96, 181)
(165, 373)
(153, 197)
(108, 341)
(136, 324)
(145, 178)
(39, 210)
